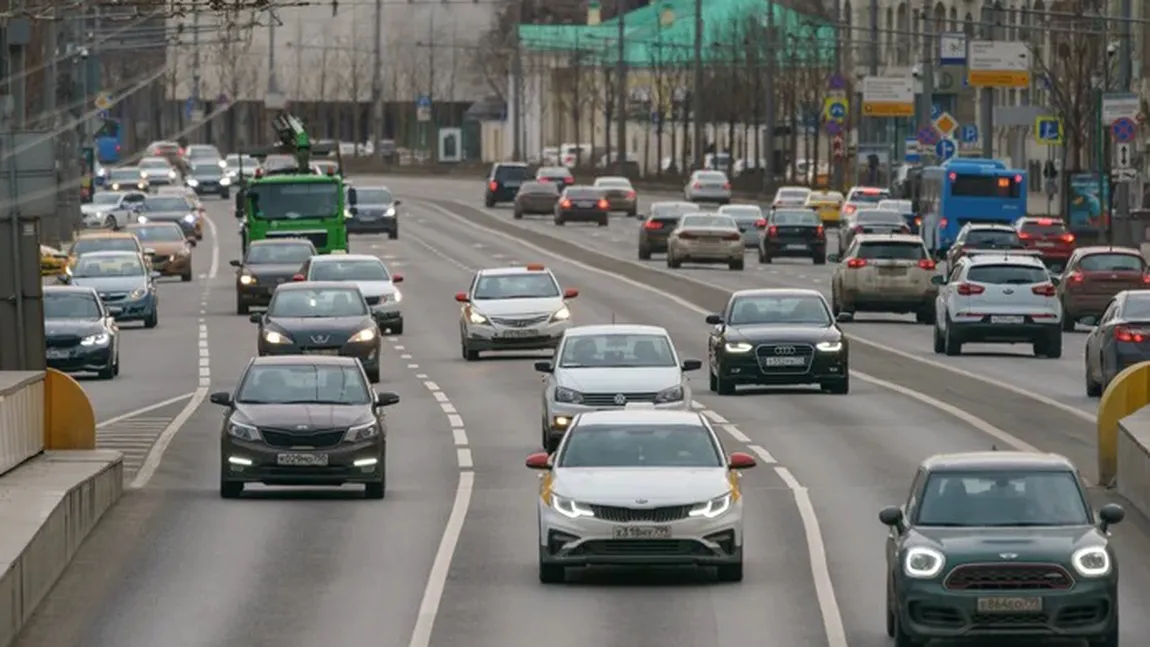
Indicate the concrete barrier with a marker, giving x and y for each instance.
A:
(21, 417)
(48, 506)
(1134, 459)
(1128, 392)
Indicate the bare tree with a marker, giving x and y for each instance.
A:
(236, 74)
(359, 62)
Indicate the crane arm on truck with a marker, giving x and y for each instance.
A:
(294, 140)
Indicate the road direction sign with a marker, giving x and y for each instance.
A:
(1048, 131)
(952, 48)
(911, 151)
(1124, 175)
(103, 115)
(103, 101)
(837, 82)
(888, 96)
(998, 64)
(928, 136)
(1123, 155)
(189, 107)
(946, 124)
(968, 134)
(423, 108)
(935, 111)
(1119, 105)
(835, 109)
(945, 149)
(275, 101)
(1124, 130)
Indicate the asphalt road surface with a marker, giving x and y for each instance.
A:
(448, 559)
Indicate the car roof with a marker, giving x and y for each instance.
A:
(890, 238)
(1097, 249)
(103, 234)
(582, 187)
(316, 285)
(794, 187)
(512, 164)
(994, 258)
(996, 460)
(641, 416)
(776, 292)
(336, 258)
(295, 360)
(614, 178)
(989, 227)
(616, 329)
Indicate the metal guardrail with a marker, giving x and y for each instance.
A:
(21, 417)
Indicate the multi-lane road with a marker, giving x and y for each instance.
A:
(448, 558)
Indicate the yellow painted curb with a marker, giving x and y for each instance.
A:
(69, 421)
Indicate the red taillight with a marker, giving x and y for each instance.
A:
(1022, 235)
(652, 224)
(850, 208)
(918, 222)
(761, 223)
(568, 180)
(117, 148)
(820, 232)
(1066, 238)
(926, 264)
(1046, 222)
(1018, 179)
(859, 229)
(1076, 277)
(967, 289)
(953, 177)
(942, 222)
(697, 185)
(726, 185)
(1122, 333)
(603, 204)
(544, 180)
(1044, 290)
(732, 237)
(773, 231)
(494, 186)
(630, 194)
(566, 204)
(856, 263)
(686, 235)
(298, 277)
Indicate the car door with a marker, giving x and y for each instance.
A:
(839, 278)
(946, 293)
(1096, 341)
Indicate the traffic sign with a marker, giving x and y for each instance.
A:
(888, 96)
(834, 128)
(928, 136)
(952, 48)
(837, 82)
(1123, 154)
(423, 108)
(189, 107)
(946, 124)
(945, 149)
(103, 101)
(836, 109)
(968, 134)
(935, 111)
(998, 64)
(1124, 130)
(1124, 175)
(911, 151)
(1048, 130)
(1117, 105)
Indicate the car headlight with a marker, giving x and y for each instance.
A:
(243, 431)
(737, 347)
(96, 340)
(397, 297)
(390, 212)
(569, 507)
(141, 219)
(141, 185)
(138, 293)
(829, 346)
(102, 172)
(360, 433)
(172, 174)
(183, 251)
(222, 164)
(476, 318)
(190, 218)
(673, 394)
(193, 182)
(225, 181)
(716, 507)
(1092, 561)
(570, 396)
(273, 337)
(923, 563)
(367, 334)
(115, 186)
(562, 314)
(247, 279)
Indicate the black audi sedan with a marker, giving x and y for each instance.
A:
(775, 337)
(796, 232)
(320, 318)
(208, 178)
(266, 264)
(299, 420)
(375, 212)
(80, 335)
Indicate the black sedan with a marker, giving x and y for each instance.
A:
(208, 178)
(791, 233)
(320, 318)
(1119, 341)
(777, 336)
(266, 264)
(80, 335)
(375, 212)
(170, 208)
(303, 421)
(582, 204)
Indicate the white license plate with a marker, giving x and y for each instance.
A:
(784, 361)
(58, 353)
(1007, 320)
(302, 460)
(796, 247)
(1010, 605)
(1046, 244)
(520, 333)
(893, 271)
(321, 351)
(642, 532)
(585, 205)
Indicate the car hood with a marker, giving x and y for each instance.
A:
(1030, 544)
(72, 327)
(782, 333)
(164, 248)
(525, 307)
(156, 172)
(619, 380)
(111, 283)
(164, 215)
(375, 288)
(304, 417)
(330, 331)
(655, 486)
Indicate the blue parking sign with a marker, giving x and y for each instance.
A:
(1048, 130)
(945, 149)
(968, 133)
(935, 111)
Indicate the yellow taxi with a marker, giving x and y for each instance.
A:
(827, 203)
(52, 261)
(107, 241)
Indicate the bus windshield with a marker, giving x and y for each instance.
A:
(109, 128)
(292, 201)
(984, 186)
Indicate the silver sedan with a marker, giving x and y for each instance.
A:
(708, 186)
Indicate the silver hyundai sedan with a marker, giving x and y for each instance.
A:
(640, 487)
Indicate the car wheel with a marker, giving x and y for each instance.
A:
(603, 222)
(632, 214)
(673, 262)
(242, 308)
(373, 375)
(939, 343)
(518, 215)
(109, 371)
(551, 573)
(375, 490)
(952, 344)
(724, 386)
(714, 382)
(393, 234)
(901, 637)
(152, 319)
(840, 386)
(736, 265)
(469, 354)
(762, 256)
(560, 221)
(116, 366)
(1050, 346)
(819, 259)
(230, 489)
(644, 253)
(1093, 389)
(488, 202)
(187, 277)
(110, 223)
(889, 614)
(730, 572)
(1068, 321)
(395, 329)
(1110, 638)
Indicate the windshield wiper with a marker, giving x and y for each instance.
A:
(313, 402)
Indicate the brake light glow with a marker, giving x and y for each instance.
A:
(1018, 179)
(630, 194)
(760, 223)
(1044, 290)
(544, 180)
(918, 222)
(652, 224)
(1122, 333)
(1066, 238)
(604, 205)
(953, 176)
(942, 222)
(773, 231)
(1146, 279)
(568, 180)
(820, 232)
(1076, 277)
(726, 185)
(1003, 183)
(850, 208)
(493, 186)
(566, 204)
(856, 263)
(859, 229)
(967, 289)
(1022, 235)
(1046, 222)
(927, 264)
(697, 185)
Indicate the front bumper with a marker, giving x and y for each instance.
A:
(137, 310)
(483, 337)
(382, 224)
(78, 359)
(590, 541)
(367, 352)
(243, 461)
(980, 332)
(745, 368)
(387, 313)
(212, 189)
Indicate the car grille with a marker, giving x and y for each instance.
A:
(317, 238)
(641, 547)
(645, 515)
(319, 439)
(62, 341)
(520, 323)
(610, 399)
(765, 351)
(997, 577)
(108, 297)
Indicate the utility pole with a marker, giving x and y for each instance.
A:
(697, 91)
(196, 134)
(273, 86)
(926, 98)
(377, 83)
(837, 164)
(875, 127)
(1121, 213)
(772, 53)
(432, 143)
(621, 89)
(990, 20)
(298, 94)
(52, 79)
(517, 87)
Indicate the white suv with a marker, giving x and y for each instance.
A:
(998, 298)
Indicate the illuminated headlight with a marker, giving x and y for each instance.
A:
(138, 293)
(673, 394)
(367, 334)
(1093, 561)
(115, 186)
(172, 174)
(183, 251)
(569, 507)
(390, 212)
(476, 318)
(716, 507)
(923, 563)
(829, 346)
(273, 337)
(141, 185)
(193, 182)
(243, 431)
(562, 314)
(569, 396)
(737, 347)
(397, 297)
(96, 340)
(141, 219)
(360, 433)
(225, 181)
(247, 279)
(102, 172)
(189, 218)
(223, 164)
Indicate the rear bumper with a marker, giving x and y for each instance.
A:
(1005, 333)
(502, 194)
(788, 248)
(581, 215)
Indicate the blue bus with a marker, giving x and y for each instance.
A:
(966, 190)
(109, 139)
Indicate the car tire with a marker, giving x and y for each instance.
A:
(373, 375)
(109, 371)
(819, 259)
(713, 382)
(395, 329)
(925, 314)
(392, 235)
(488, 202)
(376, 490)
(939, 342)
(762, 256)
(1068, 321)
(952, 344)
(230, 489)
(559, 221)
(1093, 389)
(673, 262)
(724, 386)
(603, 222)
(902, 638)
(110, 223)
(187, 277)
(841, 386)
(468, 354)
(1110, 638)
(518, 215)
(152, 320)
(736, 265)
(551, 573)
(890, 623)
(1050, 346)
(116, 366)
(633, 214)
(242, 308)
(730, 572)
(644, 253)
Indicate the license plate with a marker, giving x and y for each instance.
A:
(892, 270)
(302, 460)
(58, 353)
(1010, 605)
(321, 351)
(520, 333)
(511, 185)
(784, 361)
(1007, 320)
(586, 205)
(642, 532)
(1046, 244)
(796, 246)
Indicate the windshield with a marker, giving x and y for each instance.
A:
(107, 198)
(538, 187)
(671, 209)
(795, 218)
(303, 384)
(902, 206)
(348, 271)
(613, 183)
(1044, 227)
(1007, 274)
(1137, 306)
(712, 176)
(869, 196)
(132, 174)
(109, 244)
(1111, 263)
(786, 310)
(616, 350)
(792, 194)
(203, 151)
(155, 165)
(159, 233)
(553, 171)
(311, 304)
(279, 254)
(374, 196)
(118, 265)
(166, 203)
(529, 285)
(891, 251)
(990, 238)
(1003, 498)
(640, 445)
(984, 186)
(877, 217)
(70, 306)
(277, 201)
(234, 161)
(709, 222)
(207, 170)
(504, 173)
(821, 198)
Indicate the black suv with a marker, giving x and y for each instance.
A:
(503, 182)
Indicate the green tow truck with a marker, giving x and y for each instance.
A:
(294, 201)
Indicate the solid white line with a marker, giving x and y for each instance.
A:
(405, 356)
(431, 386)
(393, 339)
(441, 566)
(142, 410)
(736, 434)
(422, 376)
(440, 396)
(413, 366)
(460, 435)
(715, 418)
(400, 348)
(205, 371)
(455, 420)
(447, 407)
(820, 572)
(764, 456)
(464, 456)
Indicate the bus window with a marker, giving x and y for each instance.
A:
(984, 186)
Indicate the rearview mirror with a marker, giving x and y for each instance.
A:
(844, 316)
(544, 366)
(714, 320)
(833, 258)
(352, 197)
(222, 398)
(1110, 514)
(386, 399)
(298, 277)
(570, 293)
(691, 365)
(891, 516)
(235, 263)
(938, 279)
(461, 297)
(397, 278)
(538, 461)
(63, 278)
(741, 461)
(1057, 280)
(397, 203)
(256, 318)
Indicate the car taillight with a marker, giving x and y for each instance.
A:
(686, 235)
(859, 229)
(967, 289)
(856, 263)
(630, 194)
(732, 237)
(1146, 279)
(494, 186)
(926, 264)
(942, 222)
(566, 204)
(918, 222)
(697, 185)
(117, 148)
(850, 208)
(568, 180)
(726, 185)
(1044, 290)
(1066, 238)
(773, 231)
(761, 223)
(1122, 333)
(544, 180)
(820, 232)
(1022, 235)
(603, 205)
(1076, 277)
(652, 224)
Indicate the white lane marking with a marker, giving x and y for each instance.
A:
(695, 404)
(422, 376)
(141, 411)
(436, 252)
(463, 455)
(431, 386)
(736, 434)
(152, 460)
(447, 407)
(413, 366)
(393, 339)
(820, 572)
(497, 256)
(715, 418)
(405, 356)
(455, 420)
(460, 436)
(440, 396)
(763, 454)
(400, 348)
(441, 566)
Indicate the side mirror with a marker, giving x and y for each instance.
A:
(235, 263)
(570, 293)
(844, 316)
(714, 320)
(397, 203)
(63, 278)
(538, 461)
(352, 197)
(149, 250)
(222, 398)
(386, 399)
(156, 275)
(397, 278)
(544, 366)
(1111, 514)
(1057, 280)
(741, 461)
(1088, 321)
(461, 297)
(891, 516)
(256, 318)
(298, 277)
(353, 210)
(833, 258)
(192, 242)
(938, 279)
(691, 365)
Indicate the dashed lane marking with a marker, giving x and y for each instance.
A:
(132, 437)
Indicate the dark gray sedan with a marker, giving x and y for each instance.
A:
(536, 198)
(582, 204)
(376, 212)
(1119, 340)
